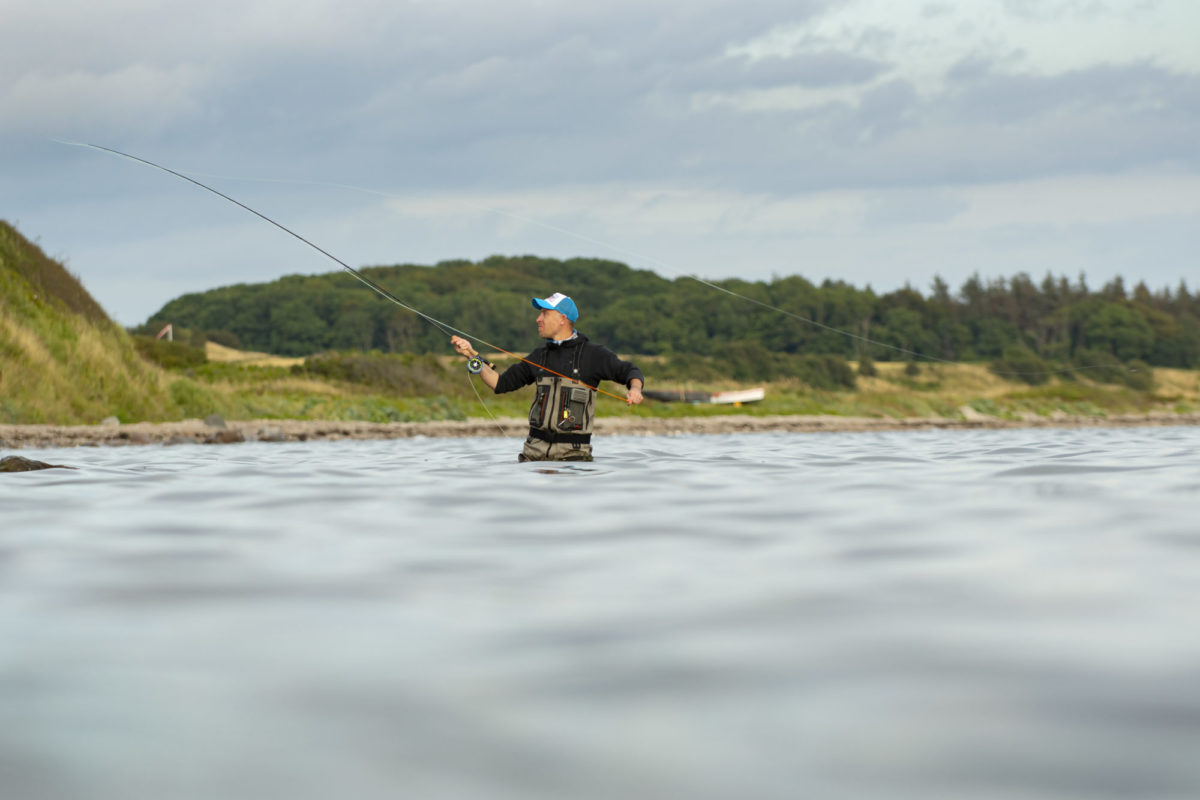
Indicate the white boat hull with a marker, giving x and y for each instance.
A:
(738, 397)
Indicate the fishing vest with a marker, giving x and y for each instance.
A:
(562, 409)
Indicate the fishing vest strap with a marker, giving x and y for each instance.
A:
(566, 438)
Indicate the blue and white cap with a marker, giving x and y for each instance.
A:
(559, 302)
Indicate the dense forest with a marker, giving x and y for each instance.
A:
(1013, 320)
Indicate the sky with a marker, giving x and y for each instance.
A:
(877, 142)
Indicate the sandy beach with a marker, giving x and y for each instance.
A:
(232, 431)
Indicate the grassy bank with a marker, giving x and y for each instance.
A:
(379, 388)
(64, 362)
(61, 359)
(948, 390)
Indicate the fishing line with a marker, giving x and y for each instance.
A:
(649, 260)
(471, 383)
(442, 326)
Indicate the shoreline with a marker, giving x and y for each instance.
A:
(196, 431)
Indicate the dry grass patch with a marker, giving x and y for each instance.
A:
(249, 358)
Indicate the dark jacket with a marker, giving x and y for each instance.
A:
(595, 363)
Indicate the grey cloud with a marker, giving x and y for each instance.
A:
(922, 206)
(808, 70)
(444, 97)
(995, 127)
(500, 77)
(407, 96)
(524, 99)
(981, 93)
(887, 108)
(621, 111)
(1050, 10)
(934, 10)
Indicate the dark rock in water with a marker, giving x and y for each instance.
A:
(225, 437)
(19, 464)
(214, 421)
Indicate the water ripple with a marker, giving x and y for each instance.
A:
(999, 614)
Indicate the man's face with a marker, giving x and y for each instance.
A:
(552, 324)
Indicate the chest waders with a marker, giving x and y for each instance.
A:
(560, 418)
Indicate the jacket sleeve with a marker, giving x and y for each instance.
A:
(612, 368)
(518, 375)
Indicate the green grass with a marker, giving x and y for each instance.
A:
(57, 366)
(282, 393)
(62, 361)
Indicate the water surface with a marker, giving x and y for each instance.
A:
(983, 614)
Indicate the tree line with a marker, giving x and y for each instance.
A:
(639, 312)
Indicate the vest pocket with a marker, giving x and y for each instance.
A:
(537, 411)
(572, 412)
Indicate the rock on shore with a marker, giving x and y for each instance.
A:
(20, 464)
(198, 432)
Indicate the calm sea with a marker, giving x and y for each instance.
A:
(994, 614)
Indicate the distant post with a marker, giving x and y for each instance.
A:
(168, 331)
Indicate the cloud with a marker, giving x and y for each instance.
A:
(932, 206)
(807, 70)
(987, 126)
(46, 104)
(459, 94)
(731, 134)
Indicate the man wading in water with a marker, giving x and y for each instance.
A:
(560, 418)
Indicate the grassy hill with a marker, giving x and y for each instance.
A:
(62, 360)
